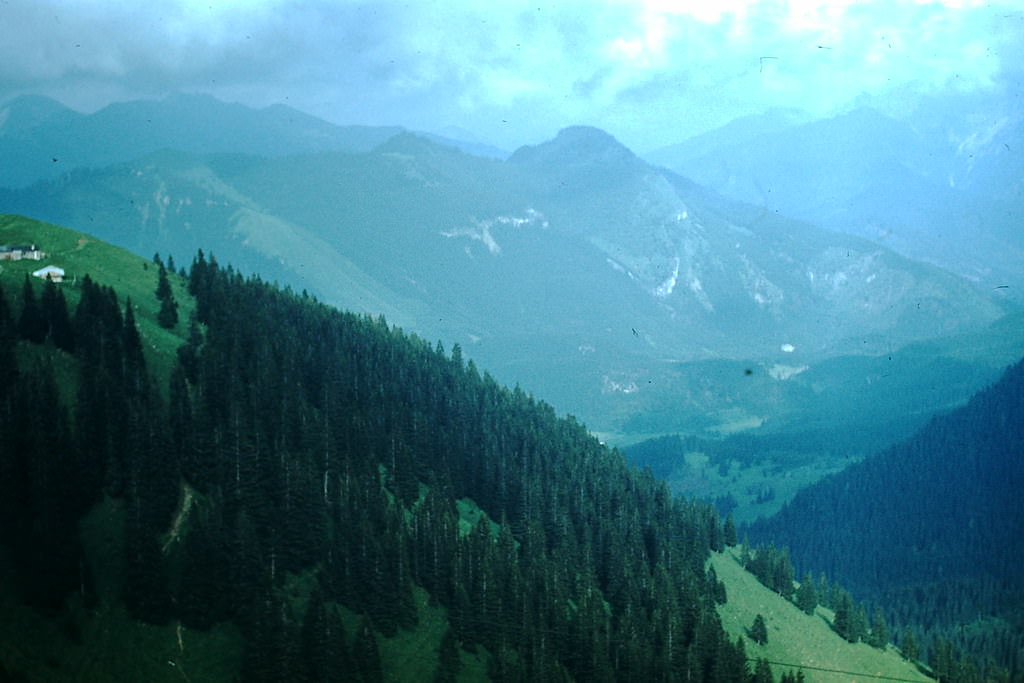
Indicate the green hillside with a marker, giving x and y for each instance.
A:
(307, 494)
(81, 254)
(797, 640)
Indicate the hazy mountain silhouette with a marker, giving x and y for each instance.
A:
(942, 184)
(574, 267)
(43, 139)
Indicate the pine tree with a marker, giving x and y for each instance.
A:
(858, 624)
(448, 659)
(745, 556)
(188, 353)
(843, 615)
(908, 645)
(824, 591)
(943, 659)
(879, 636)
(168, 315)
(729, 531)
(365, 655)
(31, 322)
(806, 597)
(8, 359)
(323, 651)
(762, 672)
(782, 573)
(54, 311)
(758, 631)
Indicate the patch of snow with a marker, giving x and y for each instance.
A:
(481, 230)
(698, 289)
(762, 290)
(614, 387)
(669, 284)
(616, 265)
(783, 372)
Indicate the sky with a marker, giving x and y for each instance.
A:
(650, 72)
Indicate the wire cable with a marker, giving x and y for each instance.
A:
(835, 671)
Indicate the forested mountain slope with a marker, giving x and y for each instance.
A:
(321, 486)
(931, 527)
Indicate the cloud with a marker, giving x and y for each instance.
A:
(514, 71)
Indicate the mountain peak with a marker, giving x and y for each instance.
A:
(577, 145)
(586, 135)
(28, 111)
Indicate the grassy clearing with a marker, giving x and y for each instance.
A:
(801, 639)
(132, 277)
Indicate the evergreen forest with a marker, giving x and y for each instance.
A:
(929, 531)
(307, 476)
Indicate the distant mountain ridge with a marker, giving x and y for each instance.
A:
(574, 267)
(941, 185)
(42, 139)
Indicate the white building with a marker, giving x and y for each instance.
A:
(52, 272)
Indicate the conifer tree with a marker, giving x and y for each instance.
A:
(729, 531)
(908, 645)
(858, 624)
(8, 359)
(824, 591)
(168, 315)
(447, 659)
(365, 655)
(54, 312)
(762, 672)
(758, 631)
(323, 651)
(31, 322)
(879, 636)
(806, 596)
(843, 614)
(782, 574)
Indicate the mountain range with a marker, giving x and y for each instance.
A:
(573, 267)
(942, 183)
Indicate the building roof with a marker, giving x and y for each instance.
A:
(49, 270)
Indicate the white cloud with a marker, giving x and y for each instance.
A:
(514, 71)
